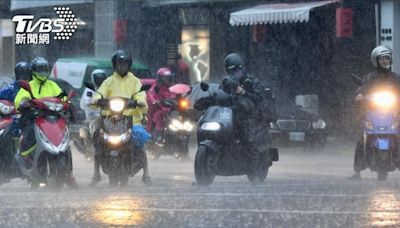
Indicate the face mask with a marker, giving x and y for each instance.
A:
(42, 76)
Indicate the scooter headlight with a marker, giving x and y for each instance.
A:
(211, 126)
(319, 124)
(117, 139)
(175, 125)
(117, 105)
(6, 109)
(369, 125)
(384, 99)
(188, 126)
(53, 106)
(395, 125)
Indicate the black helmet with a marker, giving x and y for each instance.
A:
(40, 68)
(23, 71)
(121, 55)
(233, 62)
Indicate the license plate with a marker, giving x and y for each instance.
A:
(297, 136)
(114, 153)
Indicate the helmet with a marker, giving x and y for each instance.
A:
(379, 51)
(97, 77)
(121, 56)
(164, 76)
(232, 63)
(23, 71)
(40, 68)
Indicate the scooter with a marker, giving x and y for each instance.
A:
(219, 151)
(381, 131)
(50, 162)
(8, 167)
(117, 155)
(178, 128)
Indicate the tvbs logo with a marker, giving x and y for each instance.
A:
(31, 31)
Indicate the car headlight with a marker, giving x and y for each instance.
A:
(384, 99)
(117, 104)
(369, 125)
(211, 126)
(319, 124)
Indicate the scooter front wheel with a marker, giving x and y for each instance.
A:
(202, 172)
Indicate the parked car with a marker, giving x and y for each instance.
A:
(294, 122)
(297, 123)
(74, 72)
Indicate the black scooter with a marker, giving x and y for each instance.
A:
(117, 158)
(219, 151)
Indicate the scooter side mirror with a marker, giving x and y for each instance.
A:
(25, 85)
(204, 86)
(90, 86)
(145, 87)
(357, 79)
(71, 94)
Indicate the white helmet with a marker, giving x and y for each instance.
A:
(380, 51)
(97, 77)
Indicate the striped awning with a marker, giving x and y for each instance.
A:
(276, 13)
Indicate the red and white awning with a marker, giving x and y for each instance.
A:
(276, 13)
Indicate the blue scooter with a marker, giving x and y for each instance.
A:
(381, 131)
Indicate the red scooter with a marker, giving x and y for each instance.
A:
(8, 167)
(51, 160)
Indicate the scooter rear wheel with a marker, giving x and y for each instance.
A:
(201, 170)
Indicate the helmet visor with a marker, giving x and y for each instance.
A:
(98, 79)
(42, 70)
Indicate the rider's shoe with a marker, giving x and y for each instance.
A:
(147, 180)
(71, 182)
(356, 176)
(95, 180)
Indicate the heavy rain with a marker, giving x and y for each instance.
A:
(199, 113)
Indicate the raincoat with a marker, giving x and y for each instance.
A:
(127, 86)
(156, 114)
(39, 89)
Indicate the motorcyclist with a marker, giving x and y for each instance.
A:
(123, 83)
(251, 118)
(92, 115)
(23, 71)
(381, 58)
(41, 87)
(158, 92)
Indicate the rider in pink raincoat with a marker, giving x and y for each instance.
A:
(158, 92)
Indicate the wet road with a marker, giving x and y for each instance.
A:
(304, 189)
